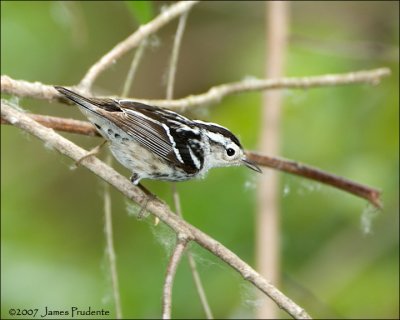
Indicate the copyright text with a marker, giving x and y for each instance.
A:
(46, 312)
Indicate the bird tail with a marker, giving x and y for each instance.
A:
(90, 104)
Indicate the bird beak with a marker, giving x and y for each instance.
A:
(251, 165)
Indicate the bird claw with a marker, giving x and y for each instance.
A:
(134, 179)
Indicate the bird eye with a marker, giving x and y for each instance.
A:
(230, 152)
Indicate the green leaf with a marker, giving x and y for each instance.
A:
(142, 11)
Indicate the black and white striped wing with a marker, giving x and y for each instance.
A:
(168, 135)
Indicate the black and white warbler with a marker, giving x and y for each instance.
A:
(160, 144)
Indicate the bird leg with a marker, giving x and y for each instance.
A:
(90, 153)
(149, 197)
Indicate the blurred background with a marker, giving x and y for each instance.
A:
(333, 264)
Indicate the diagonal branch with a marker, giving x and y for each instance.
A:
(215, 94)
(132, 41)
(371, 194)
(155, 206)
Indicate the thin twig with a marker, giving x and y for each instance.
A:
(155, 206)
(174, 55)
(215, 94)
(170, 275)
(293, 167)
(132, 41)
(112, 261)
(199, 286)
(133, 68)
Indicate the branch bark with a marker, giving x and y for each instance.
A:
(155, 206)
(21, 88)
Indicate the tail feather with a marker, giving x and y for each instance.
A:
(90, 104)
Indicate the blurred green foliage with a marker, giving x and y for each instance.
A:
(143, 11)
(52, 241)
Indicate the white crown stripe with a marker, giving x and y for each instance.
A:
(217, 138)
